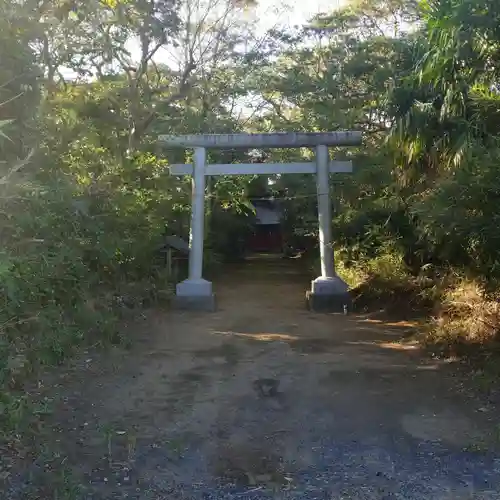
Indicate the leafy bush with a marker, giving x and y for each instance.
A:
(460, 218)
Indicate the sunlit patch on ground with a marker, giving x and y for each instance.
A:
(261, 337)
(399, 346)
(394, 324)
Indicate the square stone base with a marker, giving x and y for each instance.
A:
(328, 303)
(195, 303)
(194, 295)
(329, 295)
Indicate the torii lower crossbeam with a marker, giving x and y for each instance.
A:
(329, 291)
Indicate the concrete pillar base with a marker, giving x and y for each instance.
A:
(329, 295)
(195, 295)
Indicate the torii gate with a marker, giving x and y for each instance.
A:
(329, 291)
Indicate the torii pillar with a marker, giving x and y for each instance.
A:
(328, 292)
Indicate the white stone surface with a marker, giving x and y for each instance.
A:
(194, 288)
(329, 286)
(335, 167)
(196, 235)
(272, 140)
(324, 213)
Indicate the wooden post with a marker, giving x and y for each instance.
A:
(169, 262)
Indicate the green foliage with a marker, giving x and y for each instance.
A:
(84, 199)
(460, 218)
(427, 101)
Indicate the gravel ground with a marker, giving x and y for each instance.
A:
(359, 413)
(391, 469)
(349, 469)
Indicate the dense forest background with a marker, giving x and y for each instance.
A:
(86, 88)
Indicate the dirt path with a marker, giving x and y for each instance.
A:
(357, 414)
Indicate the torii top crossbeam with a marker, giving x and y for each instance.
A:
(272, 140)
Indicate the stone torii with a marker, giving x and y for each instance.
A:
(329, 291)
